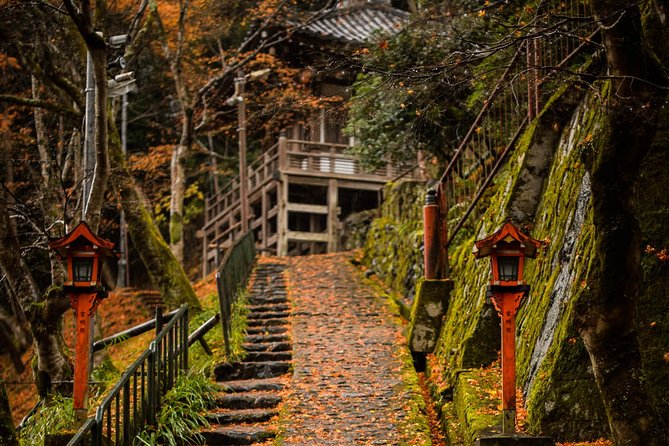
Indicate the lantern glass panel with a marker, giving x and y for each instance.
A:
(82, 269)
(507, 266)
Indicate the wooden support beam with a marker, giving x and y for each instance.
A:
(264, 231)
(282, 217)
(308, 208)
(301, 236)
(333, 215)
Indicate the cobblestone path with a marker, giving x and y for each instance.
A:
(351, 368)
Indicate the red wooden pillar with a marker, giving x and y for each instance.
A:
(506, 305)
(84, 306)
(431, 236)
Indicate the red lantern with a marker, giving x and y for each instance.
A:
(84, 253)
(507, 249)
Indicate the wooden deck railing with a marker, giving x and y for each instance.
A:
(324, 160)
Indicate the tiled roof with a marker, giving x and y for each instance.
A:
(357, 24)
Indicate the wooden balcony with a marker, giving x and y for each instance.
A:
(289, 163)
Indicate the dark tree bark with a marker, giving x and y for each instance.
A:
(635, 93)
(44, 312)
(7, 432)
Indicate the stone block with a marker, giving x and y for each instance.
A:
(427, 312)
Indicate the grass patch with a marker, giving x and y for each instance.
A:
(55, 417)
(183, 412)
(198, 358)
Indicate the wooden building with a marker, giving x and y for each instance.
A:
(300, 189)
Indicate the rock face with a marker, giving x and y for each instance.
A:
(553, 367)
(428, 310)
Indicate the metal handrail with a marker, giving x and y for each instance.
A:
(135, 399)
(84, 434)
(231, 276)
(130, 333)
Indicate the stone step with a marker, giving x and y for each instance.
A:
(269, 356)
(266, 322)
(250, 370)
(270, 300)
(265, 339)
(252, 385)
(241, 416)
(237, 434)
(267, 347)
(247, 400)
(267, 315)
(266, 330)
(256, 309)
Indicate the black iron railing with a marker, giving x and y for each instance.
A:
(231, 277)
(135, 399)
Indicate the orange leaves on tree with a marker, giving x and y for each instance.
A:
(8, 62)
(661, 254)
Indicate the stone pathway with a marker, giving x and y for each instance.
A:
(349, 362)
(353, 382)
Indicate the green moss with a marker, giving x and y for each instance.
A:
(564, 401)
(176, 228)
(393, 248)
(476, 401)
(414, 427)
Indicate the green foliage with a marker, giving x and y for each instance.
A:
(394, 241)
(54, 417)
(424, 85)
(198, 358)
(182, 413)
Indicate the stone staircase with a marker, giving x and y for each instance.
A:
(251, 389)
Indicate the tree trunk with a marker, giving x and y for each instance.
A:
(101, 174)
(7, 432)
(165, 272)
(43, 312)
(607, 314)
(177, 168)
(177, 191)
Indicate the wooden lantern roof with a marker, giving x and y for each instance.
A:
(82, 235)
(508, 233)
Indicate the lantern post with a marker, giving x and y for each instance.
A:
(507, 248)
(84, 253)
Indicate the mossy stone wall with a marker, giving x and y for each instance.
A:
(553, 367)
(394, 246)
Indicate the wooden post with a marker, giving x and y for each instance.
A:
(333, 218)
(431, 236)
(240, 81)
(282, 216)
(506, 304)
(283, 156)
(264, 225)
(84, 306)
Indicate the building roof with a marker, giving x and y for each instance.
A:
(357, 24)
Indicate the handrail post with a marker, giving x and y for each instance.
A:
(431, 236)
(151, 393)
(283, 149)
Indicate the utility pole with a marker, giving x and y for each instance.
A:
(89, 137)
(240, 82)
(123, 277)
